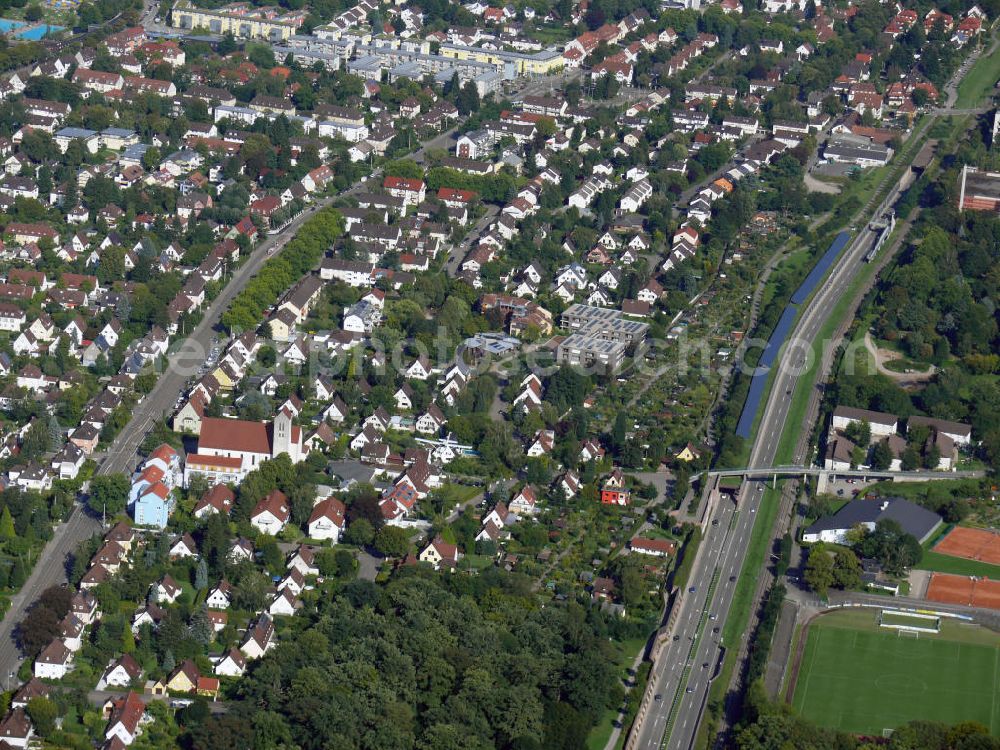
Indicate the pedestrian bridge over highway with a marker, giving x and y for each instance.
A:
(826, 475)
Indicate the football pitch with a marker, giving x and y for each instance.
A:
(859, 678)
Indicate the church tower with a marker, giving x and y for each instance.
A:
(281, 441)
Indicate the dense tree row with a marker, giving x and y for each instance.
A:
(298, 258)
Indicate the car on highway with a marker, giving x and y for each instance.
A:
(732, 578)
(713, 617)
(688, 690)
(658, 697)
(715, 630)
(692, 589)
(677, 637)
(704, 665)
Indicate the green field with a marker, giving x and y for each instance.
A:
(979, 81)
(862, 679)
(959, 566)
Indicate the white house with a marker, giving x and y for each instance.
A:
(54, 662)
(220, 597)
(232, 664)
(882, 424)
(271, 514)
(327, 520)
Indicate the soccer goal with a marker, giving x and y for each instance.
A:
(909, 623)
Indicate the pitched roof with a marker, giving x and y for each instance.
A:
(234, 435)
(331, 508)
(276, 503)
(219, 497)
(127, 711)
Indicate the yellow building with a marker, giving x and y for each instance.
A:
(689, 453)
(184, 678)
(224, 378)
(241, 23)
(536, 64)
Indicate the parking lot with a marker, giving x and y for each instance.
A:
(848, 487)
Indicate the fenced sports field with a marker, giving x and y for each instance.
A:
(861, 677)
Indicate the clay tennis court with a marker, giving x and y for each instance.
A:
(951, 589)
(972, 544)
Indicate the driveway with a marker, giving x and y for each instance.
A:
(368, 565)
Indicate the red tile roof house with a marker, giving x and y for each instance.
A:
(654, 547)
(219, 499)
(271, 513)
(16, 729)
(126, 718)
(413, 192)
(440, 554)
(265, 206)
(327, 520)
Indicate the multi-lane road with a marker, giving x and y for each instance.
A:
(182, 363)
(690, 661)
(679, 675)
(121, 456)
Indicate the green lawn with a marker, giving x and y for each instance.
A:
(958, 565)
(979, 81)
(859, 678)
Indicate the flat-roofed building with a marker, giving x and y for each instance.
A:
(238, 19)
(592, 352)
(980, 190)
(604, 323)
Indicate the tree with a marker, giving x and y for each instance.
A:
(819, 569)
(618, 431)
(109, 494)
(250, 590)
(201, 575)
(633, 587)
(360, 532)
(35, 441)
(18, 574)
(881, 458)
(42, 623)
(846, 570)
(169, 662)
(932, 456)
(910, 460)
(223, 732)
(33, 13)
(201, 627)
(6, 524)
(468, 99)
(151, 158)
(43, 713)
(392, 541)
(894, 549)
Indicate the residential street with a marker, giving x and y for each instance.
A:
(182, 363)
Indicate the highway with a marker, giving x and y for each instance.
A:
(684, 688)
(679, 677)
(682, 679)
